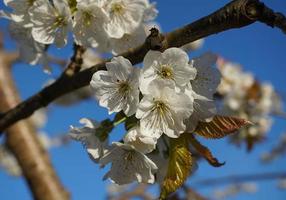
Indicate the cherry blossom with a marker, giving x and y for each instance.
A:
(117, 88)
(128, 165)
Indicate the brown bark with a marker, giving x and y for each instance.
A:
(236, 14)
(24, 144)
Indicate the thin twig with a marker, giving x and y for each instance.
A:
(280, 114)
(76, 61)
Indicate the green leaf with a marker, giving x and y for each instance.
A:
(119, 118)
(105, 127)
(220, 126)
(179, 166)
(204, 151)
(131, 122)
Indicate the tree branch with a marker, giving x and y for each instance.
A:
(76, 61)
(240, 178)
(236, 14)
(25, 145)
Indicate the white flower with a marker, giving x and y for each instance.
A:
(128, 165)
(117, 88)
(125, 16)
(202, 89)
(128, 41)
(204, 109)
(87, 24)
(262, 125)
(87, 135)
(20, 11)
(8, 162)
(235, 98)
(50, 23)
(208, 77)
(163, 110)
(233, 78)
(141, 142)
(20, 7)
(269, 101)
(150, 12)
(161, 158)
(30, 51)
(172, 65)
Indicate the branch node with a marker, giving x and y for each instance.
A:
(156, 41)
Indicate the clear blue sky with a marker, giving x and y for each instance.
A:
(258, 48)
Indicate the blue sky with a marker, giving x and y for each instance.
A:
(258, 48)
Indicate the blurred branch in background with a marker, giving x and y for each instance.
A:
(240, 178)
(124, 192)
(23, 142)
(276, 151)
(234, 190)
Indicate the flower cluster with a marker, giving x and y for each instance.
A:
(109, 25)
(245, 97)
(168, 96)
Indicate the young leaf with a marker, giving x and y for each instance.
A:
(102, 132)
(220, 126)
(131, 122)
(204, 151)
(179, 167)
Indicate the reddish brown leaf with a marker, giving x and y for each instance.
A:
(204, 151)
(220, 126)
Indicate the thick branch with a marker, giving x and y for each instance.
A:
(25, 145)
(236, 14)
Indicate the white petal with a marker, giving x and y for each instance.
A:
(128, 165)
(142, 143)
(208, 77)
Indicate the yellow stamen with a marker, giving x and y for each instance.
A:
(124, 87)
(166, 72)
(60, 22)
(117, 8)
(87, 17)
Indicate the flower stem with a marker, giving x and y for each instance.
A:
(123, 119)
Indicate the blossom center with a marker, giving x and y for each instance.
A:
(166, 72)
(124, 87)
(87, 17)
(30, 2)
(60, 21)
(161, 107)
(128, 156)
(117, 8)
